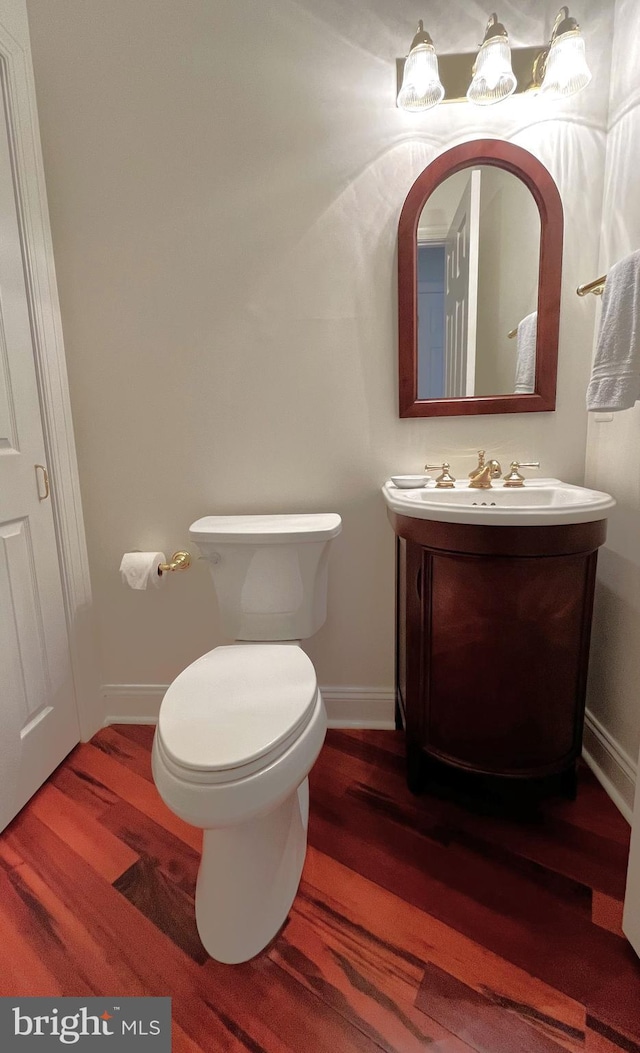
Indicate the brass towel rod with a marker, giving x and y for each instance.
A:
(596, 287)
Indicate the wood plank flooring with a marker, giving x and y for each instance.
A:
(419, 925)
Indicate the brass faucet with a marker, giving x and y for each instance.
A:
(480, 466)
(481, 476)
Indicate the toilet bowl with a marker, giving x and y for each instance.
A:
(241, 727)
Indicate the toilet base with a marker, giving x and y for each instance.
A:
(248, 879)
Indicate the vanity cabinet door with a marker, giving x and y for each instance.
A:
(492, 657)
(504, 669)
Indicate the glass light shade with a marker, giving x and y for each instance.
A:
(421, 88)
(566, 71)
(493, 79)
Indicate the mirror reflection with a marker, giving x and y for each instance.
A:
(477, 286)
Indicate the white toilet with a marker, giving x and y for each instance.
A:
(240, 729)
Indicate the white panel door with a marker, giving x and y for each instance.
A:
(631, 919)
(38, 718)
(461, 294)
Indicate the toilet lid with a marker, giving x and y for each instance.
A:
(236, 704)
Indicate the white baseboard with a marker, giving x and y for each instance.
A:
(612, 766)
(347, 707)
(132, 703)
(360, 707)
(373, 707)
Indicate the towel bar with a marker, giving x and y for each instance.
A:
(596, 287)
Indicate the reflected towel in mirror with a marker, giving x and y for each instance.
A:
(526, 355)
(615, 377)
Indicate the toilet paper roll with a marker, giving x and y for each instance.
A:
(139, 570)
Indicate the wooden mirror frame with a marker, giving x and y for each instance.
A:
(545, 192)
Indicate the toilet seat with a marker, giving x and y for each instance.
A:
(235, 711)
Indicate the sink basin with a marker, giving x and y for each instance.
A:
(540, 502)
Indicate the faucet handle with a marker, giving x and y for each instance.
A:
(513, 476)
(445, 481)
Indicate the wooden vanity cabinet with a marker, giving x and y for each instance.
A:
(493, 628)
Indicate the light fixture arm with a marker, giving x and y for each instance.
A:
(421, 37)
(494, 29)
(564, 23)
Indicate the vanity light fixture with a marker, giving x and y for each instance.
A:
(562, 68)
(421, 88)
(554, 70)
(493, 77)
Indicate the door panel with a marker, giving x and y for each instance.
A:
(22, 620)
(461, 299)
(38, 719)
(431, 320)
(8, 429)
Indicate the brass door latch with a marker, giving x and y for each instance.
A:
(45, 479)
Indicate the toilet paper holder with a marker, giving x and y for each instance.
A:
(178, 561)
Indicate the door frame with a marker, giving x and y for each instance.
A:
(16, 70)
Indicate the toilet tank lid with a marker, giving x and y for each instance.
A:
(271, 529)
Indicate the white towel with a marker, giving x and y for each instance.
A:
(615, 377)
(526, 352)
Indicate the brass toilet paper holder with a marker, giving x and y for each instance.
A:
(179, 561)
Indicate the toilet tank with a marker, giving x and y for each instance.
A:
(269, 572)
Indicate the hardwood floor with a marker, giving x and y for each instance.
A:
(419, 924)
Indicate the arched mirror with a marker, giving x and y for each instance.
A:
(479, 274)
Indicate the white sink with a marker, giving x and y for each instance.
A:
(540, 502)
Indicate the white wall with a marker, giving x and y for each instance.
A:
(225, 182)
(613, 450)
